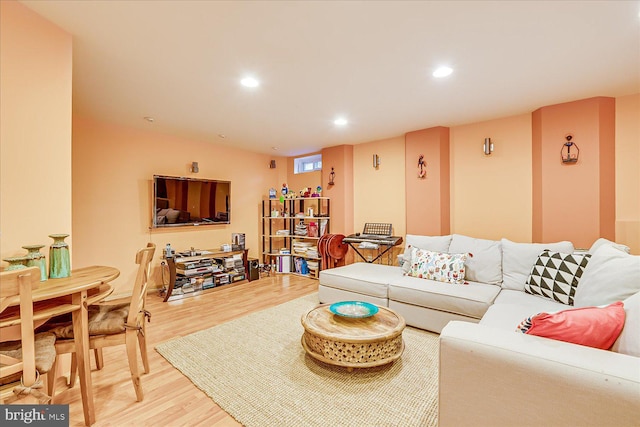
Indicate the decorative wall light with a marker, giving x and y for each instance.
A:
(422, 167)
(487, 147)
(569, 151)
(376, 161)
(194, 167)
(332, 176)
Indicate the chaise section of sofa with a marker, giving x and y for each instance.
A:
(496, 377)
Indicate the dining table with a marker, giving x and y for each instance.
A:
(73, 295)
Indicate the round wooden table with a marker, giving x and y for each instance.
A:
(353, 342)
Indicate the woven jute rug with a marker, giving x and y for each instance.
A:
(256, 370)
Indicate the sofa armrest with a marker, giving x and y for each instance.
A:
(494, 377)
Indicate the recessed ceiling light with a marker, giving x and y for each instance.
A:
(222, 136)
(274, 148)
(249, 82)
(340, 121)
(442, 72)
(149, 119)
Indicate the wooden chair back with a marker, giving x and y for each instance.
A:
(139, 295)
(17, 285)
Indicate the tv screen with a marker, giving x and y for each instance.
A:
(189, 201)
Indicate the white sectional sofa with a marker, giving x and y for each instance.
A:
(489, 373)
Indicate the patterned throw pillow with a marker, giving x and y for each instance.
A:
(555, 275)
(439, 266)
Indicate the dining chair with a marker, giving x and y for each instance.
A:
(112, 324)
(23, 361)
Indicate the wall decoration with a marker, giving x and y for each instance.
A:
(332, 176)
(570, 151)
(422, 167)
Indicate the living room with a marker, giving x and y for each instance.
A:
(92, 178)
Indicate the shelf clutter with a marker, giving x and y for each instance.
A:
(291, 230)
(194, 272)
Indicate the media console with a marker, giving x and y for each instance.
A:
(191, 275)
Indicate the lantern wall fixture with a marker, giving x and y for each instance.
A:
(570, 151)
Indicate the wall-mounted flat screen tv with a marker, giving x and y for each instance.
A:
(190, 201)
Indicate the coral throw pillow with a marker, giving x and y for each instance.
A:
(597, 327)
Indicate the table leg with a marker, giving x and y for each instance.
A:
(81, 337)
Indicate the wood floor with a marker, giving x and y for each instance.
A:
(170, 399)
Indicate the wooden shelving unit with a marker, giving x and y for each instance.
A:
(290, 252)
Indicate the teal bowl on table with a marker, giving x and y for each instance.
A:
(354, 309)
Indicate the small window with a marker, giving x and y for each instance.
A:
(307, 164)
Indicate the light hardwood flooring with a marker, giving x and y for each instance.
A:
(170, 399)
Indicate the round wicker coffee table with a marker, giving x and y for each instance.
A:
(353, 342)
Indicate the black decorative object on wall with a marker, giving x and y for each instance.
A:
(422, 167)
(332, 176)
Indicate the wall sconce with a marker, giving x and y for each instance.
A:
(487, 147)
(194, 167)
(567, 155)
(376, 161)
(422, 167)
(332, 176)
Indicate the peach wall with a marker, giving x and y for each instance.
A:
(35, 131)
(428, 198)
(341, 193)
(379, 194)
(575, 201)
(628, 171)
(113, 168)
(491, 195)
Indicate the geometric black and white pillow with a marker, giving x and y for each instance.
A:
(555, 275)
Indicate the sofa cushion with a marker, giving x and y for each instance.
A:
(361, 277)
(629, 340)
(597, 327)
(432, 243)
(485, 265)
(556, 275)
(611, 275)
(438, 266)
(602, 241)
(510, 307)
(470, 300)
(518, 259)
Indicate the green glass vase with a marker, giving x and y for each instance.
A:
(37, 259)
(59, 260)
(16, 263)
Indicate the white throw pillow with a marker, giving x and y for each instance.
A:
(610, 276)
(629, 340)
(438, 266)
(518, 259)
(602, 241)
(485, 266)
(430, 243)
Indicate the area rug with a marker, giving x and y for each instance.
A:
(255, 369)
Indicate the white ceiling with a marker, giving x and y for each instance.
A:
(370, 61)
